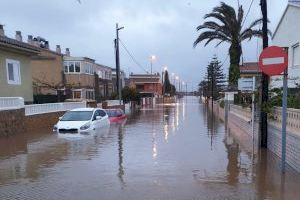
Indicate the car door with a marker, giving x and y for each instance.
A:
(104, 118)
(96, 122)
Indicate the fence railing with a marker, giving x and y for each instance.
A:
(293, 118)
(52, 107)
(114, 102)
(7, 103)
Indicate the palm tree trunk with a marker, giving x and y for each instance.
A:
(235, 52)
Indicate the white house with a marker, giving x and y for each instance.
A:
(287, 34)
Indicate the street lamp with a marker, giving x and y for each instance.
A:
(177, 79)
(163, 79)
(152, 58)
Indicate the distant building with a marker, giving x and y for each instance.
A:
(147, 84)
(287, 34)
(15, 68)
(80, 78)
(105, 80)
(249, 70)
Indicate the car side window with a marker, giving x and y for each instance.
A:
(102, 113)
(96, 114)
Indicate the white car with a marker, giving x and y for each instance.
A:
(81, 121)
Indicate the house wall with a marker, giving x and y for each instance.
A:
(47, 68)
(25, 88)
(153, 87)
(80, 80)
(287, 35)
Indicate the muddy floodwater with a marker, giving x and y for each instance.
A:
(178, 151)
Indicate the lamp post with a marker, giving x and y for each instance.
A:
(163, 79)
(118, 63)
(152, 58)
(177, 79)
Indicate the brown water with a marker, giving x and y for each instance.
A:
(169, 152)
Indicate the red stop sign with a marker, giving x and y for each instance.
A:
(273, 60)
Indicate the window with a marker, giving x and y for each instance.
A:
(13, 72)
(77, 67)
(89, 94)
(71, 67)
(66, 66)
(89, 68)
(76, 94)
(100, 74)
(102, 113)
(296, 55)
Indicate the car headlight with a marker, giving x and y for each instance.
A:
(86, 126)
(55, 127)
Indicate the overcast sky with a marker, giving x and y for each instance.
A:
(165, 28)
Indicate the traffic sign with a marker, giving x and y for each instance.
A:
(246, 84)
(273, 60)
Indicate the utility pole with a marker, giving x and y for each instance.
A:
(118, 63)
(265, 80)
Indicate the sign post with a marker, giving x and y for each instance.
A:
(274, 61)
(248, 85)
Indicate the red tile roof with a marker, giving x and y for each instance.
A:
(5, 41)
(250, 67)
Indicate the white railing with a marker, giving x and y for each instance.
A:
(114, 102)
(293, 118)
(8, 103)
(52, 107)
(245, 112)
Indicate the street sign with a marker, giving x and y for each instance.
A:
(246, 84)
(273, 60)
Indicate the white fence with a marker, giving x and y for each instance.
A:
(114, 102)
(8, 103)
(293, 118)
(52, 107)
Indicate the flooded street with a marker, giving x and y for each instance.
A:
(170, 152)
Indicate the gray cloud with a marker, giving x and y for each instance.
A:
(165, 28)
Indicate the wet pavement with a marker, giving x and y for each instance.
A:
(170, 152)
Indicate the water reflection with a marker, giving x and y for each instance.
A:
(121, 172)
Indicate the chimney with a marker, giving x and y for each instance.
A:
(19, 36)
(46, 44)
(2, 30)
(58, 49)
(36, 42)
(30, 39)
(68, 52)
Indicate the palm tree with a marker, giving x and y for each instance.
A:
(228, 27)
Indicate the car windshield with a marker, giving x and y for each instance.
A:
(77, 116)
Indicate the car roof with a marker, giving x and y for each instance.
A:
(85, 109)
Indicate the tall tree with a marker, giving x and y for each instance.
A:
(168, 87)
(227, 26)
(214, 78)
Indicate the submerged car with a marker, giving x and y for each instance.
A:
(116, 115)
(81, 121)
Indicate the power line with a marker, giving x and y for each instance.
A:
(131, 56)
(247, 13)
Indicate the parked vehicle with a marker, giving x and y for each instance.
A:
(81, 121)
(116, 115)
